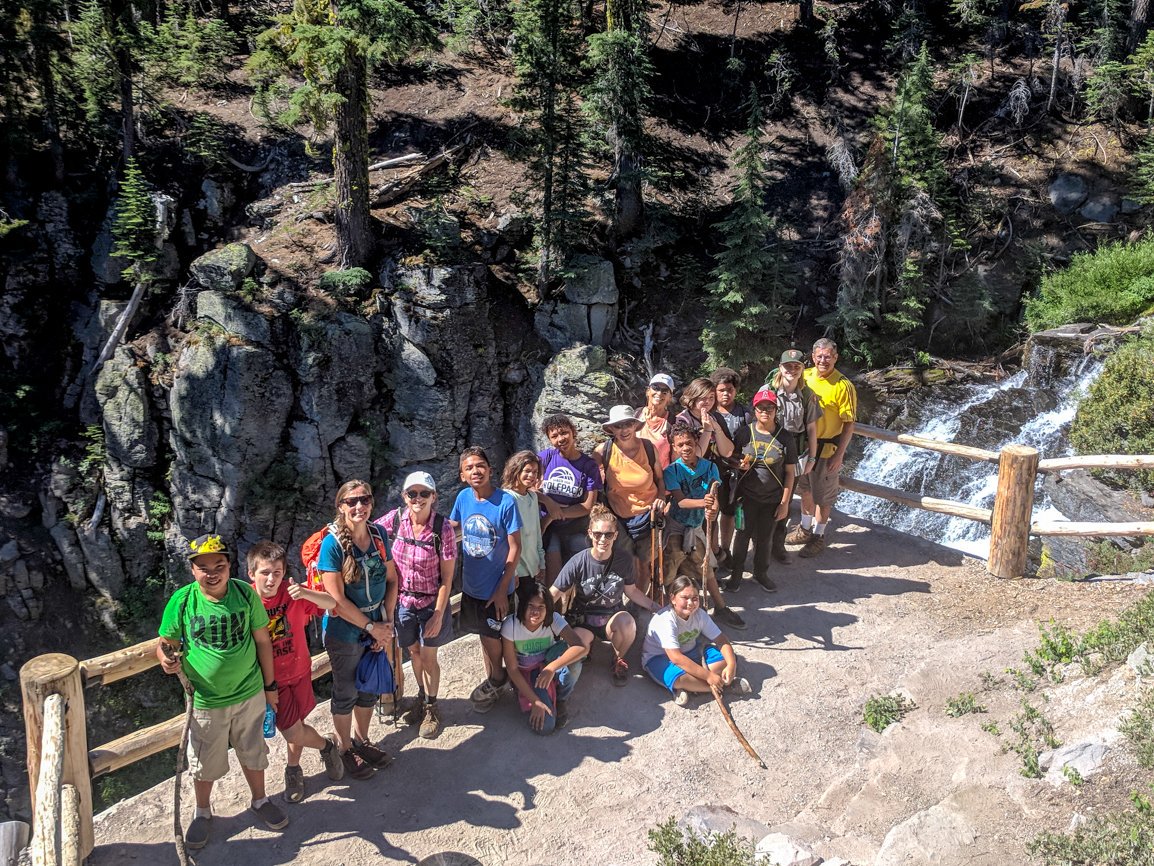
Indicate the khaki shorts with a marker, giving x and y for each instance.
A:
(213, 731)
(820, 483)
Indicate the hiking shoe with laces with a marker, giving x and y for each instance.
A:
(766, 583)
(376, 758)
(355, 767)
(271, 814)
(485, 695)
(741, 686)
(431, 724)
(331, 756)
(414, 713)
(813, 547)
(681, 698)
(620, 672)
(294, 784)
(196, 836)
(729, 616)
(798, 535)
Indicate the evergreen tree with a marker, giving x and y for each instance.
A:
(106, 40)
(747, 301)
(332, 45)
(134, 226)
(1142, 176)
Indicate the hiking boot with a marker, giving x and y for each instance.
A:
(294, 784)
(196, 836)
(681, 698)
(561, 714)
(376, 758)
(798, 535)
(766, 583)
(620, 672)
(270, 813)
(731, 583)
(331, 756)
(431, 724)
(813, 547)
(355, 767)
(724, 563)
(414, 713)
(729, 616)
(486, 695)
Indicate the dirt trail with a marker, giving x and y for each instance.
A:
(876, 612)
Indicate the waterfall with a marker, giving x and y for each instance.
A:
(1032, 407)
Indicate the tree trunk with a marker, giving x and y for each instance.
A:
(47, 84)
(351, 164)
(120, 25)
(630, 207)
(1139, 19)
(805, 12)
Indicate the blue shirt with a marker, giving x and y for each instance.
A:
(368, 595)
(486, 525)
(694, 484)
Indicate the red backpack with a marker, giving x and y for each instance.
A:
(311, 552)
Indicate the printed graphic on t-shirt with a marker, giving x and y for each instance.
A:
(219, 632)
(688, 637)
(478, 536)
(562, 482)
(598, 591)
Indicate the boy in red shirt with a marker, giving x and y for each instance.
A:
(290, 607)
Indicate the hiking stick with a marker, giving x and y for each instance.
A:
(733, 727)
(660, 599)
(653, 576)
(177, 830)
(709, 520)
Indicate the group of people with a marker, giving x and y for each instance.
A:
(567, 552)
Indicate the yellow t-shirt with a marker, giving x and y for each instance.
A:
(837, 398)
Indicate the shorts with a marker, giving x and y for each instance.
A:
(666, 673)
(821, 483)
(639, 546)
(568, 538)
(211, 732)
(410, 625)
(594, 623)
(294, 702)
(479, 616)
(345, 656)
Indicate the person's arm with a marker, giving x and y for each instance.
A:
(786, 493)
(392, 585)
(693, 668)
(444, 593)
(726, 648)
(574, 654)
(721, 439)
(500, 597)
(321, 599)
(334, 585)
(639, 598)
(264, 656)
(169, 666)
(811, 440)
(843, 441)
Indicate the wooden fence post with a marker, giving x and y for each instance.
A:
(59, 674)
(1013, 509)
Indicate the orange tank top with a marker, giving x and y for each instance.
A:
(656, 430)
(629, 484)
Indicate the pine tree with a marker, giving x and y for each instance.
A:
(747, 301)
(1142, 175)
(333, 44)
(134, 226)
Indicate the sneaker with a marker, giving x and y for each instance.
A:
(270, 813)
(766, 583)
(331, 756)
(681, 698)
(798, 535)
(562, 714)
(294, 784)
(729, 616)
(620, 672)
(486, 695)
(414, 713)
(376, 758)
(196, 836)
(431, 724)
(731, 584)
(741, 686)
(813, 547)
(779, 553)
(355, 767)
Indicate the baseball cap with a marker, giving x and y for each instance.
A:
(765, 395)
(792, 356)
(422, 479)
(208, 543)
(662, 379)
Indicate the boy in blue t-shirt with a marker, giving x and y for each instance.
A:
(489, 525)
(686, 547)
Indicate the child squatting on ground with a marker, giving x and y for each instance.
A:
(217, 630)
(289, 608)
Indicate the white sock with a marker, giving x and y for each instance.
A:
(202, 813)
(819, 528)
(256, 804)
(806, 521)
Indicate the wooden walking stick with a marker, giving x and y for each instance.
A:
(659, 594)
(710, 516)
(733, 727)
(181, 755)
(653, 576)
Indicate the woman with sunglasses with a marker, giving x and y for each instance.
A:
(656, 418)
(600, 579)
(424, 549)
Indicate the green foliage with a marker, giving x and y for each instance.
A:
(1113, 285)
(1059, 646)
(1022, 681)
(676, 847)
(1138, 728)
(963, 705)
(206, 140)
(347, 282)
(159, 511)
(186, 51)
(1107, 91)
(134, 227)
(1106, 557)
(9, 225)
(1117, 415)
(1032, 730)
(92, 463)
(94, 37)
(881, 711)
(1118, 839)
(473, 22)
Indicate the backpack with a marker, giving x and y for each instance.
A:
(311, 552)
(438, 528)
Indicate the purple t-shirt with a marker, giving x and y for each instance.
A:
(568, 482)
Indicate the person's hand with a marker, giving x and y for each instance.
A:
(715, 681)
(544, 678)
(500, 603)
(710, 501)
(746, 462)
(537, 714)
(295, 590)
(170, 665)
(706, 418)
(272, 699)
(835, 463)
(782, 511)
(552, 509)
(433, 626)
(728, 673)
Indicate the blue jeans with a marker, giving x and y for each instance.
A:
(566, 679)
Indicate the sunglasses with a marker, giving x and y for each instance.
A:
(354, 501)
(418, 494)
(602, 535)
(765, 407)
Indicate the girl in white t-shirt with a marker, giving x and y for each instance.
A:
(543, 658)
(684, 649)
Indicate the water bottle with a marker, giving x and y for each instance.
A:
(739, 517)
(269, 721)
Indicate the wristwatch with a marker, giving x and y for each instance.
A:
(270, 687)
(369, 626)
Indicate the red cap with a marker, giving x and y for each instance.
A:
(765, 395)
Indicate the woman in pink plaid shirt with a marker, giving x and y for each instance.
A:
(424, 548)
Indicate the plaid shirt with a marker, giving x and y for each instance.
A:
(418, 567)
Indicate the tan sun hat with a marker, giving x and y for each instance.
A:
(620, 414)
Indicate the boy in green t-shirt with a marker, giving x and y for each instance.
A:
(219, 628)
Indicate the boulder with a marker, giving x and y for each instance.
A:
(235, 316)
(1130, 206)
(923, 836)
(577, 382)
(1141, 661)
(102, 564)
(777, 849)
(52, 214)
(1067, 192)
(223, 269)
(9, 553)
(337, 369)
(1085, 759)
(1081, 497)
(589, 312)
(705, 820)
(592, 282)
(216, 200)
(1101, 208)
(130, 432)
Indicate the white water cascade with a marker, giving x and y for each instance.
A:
(1029, 408)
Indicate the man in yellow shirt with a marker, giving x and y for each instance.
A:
(818, 485)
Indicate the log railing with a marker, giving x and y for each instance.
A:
(1010, 520)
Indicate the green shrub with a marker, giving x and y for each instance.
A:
(1114, 285)
(963, 705)
(348, 282)
(1139, 729)
(676, 847)
(1118, 839)
(881, 711)
(1117, 415)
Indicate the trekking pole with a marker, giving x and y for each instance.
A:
(660, 600)
(653, 577)
(713, 488)
(733, 727)
(181, 755)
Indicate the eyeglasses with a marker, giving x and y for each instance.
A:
(601, 536)
(765, 407)
(354, 501)
(414, 495)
